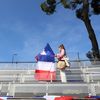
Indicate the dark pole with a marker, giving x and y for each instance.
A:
(13, 57)
(78, 55)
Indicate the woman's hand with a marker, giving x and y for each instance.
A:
(56, 56)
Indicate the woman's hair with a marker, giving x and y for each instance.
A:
(62, 46)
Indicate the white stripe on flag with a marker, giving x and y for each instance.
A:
(50, 97)
(46, 66)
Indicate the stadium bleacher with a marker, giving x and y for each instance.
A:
(17, 80)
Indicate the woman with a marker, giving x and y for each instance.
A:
(61, 56)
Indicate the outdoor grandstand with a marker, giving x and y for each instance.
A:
(17, 81)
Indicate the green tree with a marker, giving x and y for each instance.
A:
(84, 9)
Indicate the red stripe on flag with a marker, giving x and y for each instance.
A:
(64, 98)
(45, 75)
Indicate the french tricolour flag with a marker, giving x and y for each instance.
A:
(59, 97)
(45, 69)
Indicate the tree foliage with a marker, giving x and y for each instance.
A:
(96, 6)
(49, 6)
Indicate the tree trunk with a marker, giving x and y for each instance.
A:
(93, 39)
(91, 33)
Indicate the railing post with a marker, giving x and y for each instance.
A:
(84, 75)
(91, 75)
(11, 89)
(47, 88)
(0, 88)
(87, 78)
(22, 78)
(9, 86)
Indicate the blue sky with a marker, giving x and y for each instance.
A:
(25, 30)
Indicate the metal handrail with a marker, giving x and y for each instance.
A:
(83, 60)
(45, 99)
(35, 98)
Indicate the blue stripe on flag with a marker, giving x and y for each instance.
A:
(46, 58)
(47, 55)
(97, 97)
(48, 50)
